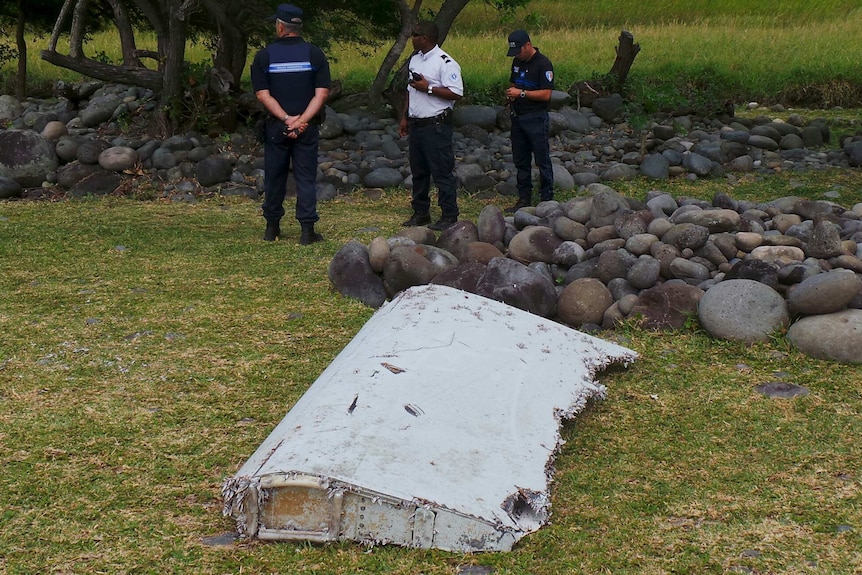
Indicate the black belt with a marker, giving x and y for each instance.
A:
(440, 118)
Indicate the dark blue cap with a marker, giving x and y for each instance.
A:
(516, 40)
(288, 13)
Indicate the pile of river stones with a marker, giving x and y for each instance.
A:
(86, 145)
(744, 270)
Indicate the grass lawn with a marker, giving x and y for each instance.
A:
(148, 348)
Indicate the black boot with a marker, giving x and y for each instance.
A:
(271, 232)
(417, 219)
(308, 235)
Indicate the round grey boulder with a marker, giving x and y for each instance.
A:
(26, 157)
(118, 158)
(351, 273)
(742, 310)
(491, 225)
(383, 178)
(834, 337)
(534, 244)
(583, 301)
(824, 293)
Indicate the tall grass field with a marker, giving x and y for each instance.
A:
(797, 52)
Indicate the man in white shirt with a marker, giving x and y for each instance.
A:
(434, 85)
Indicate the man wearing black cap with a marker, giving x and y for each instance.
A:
(530, 85)
(433, 87)
(291, 79)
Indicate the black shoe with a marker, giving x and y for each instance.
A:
(417, 220)
(442, 224)
(271, 232)
(520, 204)
(309, 236)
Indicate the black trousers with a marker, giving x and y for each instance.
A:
(530, 140)
(432, 157)
(278, 155)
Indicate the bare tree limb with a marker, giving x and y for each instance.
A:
(127, 34)
(108, 72)
(58, 26)
(407, 16)
(76, 35)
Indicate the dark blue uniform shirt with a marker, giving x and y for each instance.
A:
(537, 73)
(291, 69)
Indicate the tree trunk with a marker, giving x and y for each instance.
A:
(588, 90)
(626, 52)
(232, 43)
(127, 35)
(408, 21)
(172, 49)
(143, 77)
(21, 84)
(446, 16)
(76, 34)
(58, 26)
(395, 93)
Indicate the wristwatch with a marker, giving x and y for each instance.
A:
(523, 94)
(430, 90)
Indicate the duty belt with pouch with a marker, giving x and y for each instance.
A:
(444, 117)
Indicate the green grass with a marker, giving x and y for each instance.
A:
(148, 348)
(796, 52)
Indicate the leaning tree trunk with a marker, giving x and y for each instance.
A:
(588, 90)
(626, 52)
(407, 16)
(232, 41)
(143, 77)
(76, 34)
(395, 93)
(446, 16)
(127, 34)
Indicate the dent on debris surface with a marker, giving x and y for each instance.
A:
(436, 427)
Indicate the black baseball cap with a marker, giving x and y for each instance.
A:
(516, 40)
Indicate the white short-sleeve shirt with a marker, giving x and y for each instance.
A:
(440, 69)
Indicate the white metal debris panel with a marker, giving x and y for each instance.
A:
(445, 402)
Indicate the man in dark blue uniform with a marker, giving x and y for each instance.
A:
(290, 77)
(530, 85)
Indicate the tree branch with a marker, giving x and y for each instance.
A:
(58, 26)
(143, 77)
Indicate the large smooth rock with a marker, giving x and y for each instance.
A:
(456, 238)
(491, 225)
(835, 336)
(824, 293)
(667, 306)
(742, 310)
(118, 158)
(410, 266)
(514, 283)
(351, 273)
(583, 301)
(26, 157)
(534, 244)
